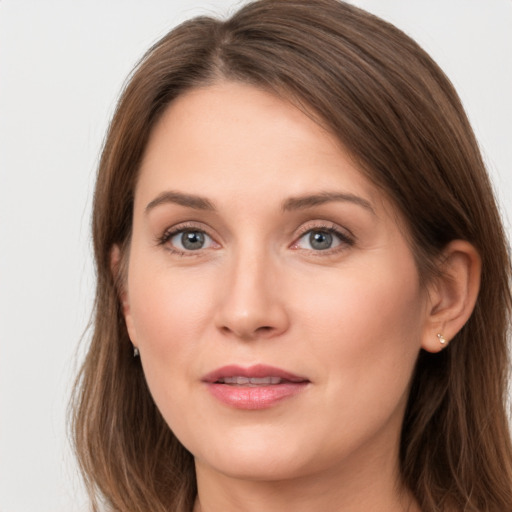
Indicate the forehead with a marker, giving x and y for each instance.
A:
(233, 139)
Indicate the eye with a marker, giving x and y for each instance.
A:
(184, 240)
(190, 240)
(322, 239)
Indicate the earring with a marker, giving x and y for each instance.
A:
(135, 351)
(442, 339)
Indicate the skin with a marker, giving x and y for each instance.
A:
(351, 319)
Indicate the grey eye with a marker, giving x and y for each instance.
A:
(191, 240)
(320, 240)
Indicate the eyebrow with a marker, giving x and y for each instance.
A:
(188, 200)
(309, 201)
(293, 203)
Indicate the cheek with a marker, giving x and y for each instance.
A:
(166, 306)
(169, 312)
(373, 302)
(367, 328)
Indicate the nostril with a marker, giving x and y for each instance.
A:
(248, 320)
(247, 333)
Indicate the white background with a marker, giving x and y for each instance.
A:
(62, 65)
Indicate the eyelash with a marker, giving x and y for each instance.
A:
(346, 239)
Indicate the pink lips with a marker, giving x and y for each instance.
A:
(255, 387)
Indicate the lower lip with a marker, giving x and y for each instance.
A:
(255, 397)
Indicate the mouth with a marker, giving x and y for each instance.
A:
(250, 381)
(255, 387)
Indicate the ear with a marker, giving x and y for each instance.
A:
(452, 295)
(119, 270)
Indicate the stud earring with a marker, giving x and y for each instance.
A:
(442, 339)
(136, 352)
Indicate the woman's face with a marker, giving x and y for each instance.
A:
(271, 291)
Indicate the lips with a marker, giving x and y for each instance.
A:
(255, 387)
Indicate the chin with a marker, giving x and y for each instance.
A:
(252, 466)
(252, 455)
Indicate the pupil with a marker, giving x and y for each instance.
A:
(192, 240)
(320, 240)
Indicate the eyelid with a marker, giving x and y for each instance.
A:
(327, 226)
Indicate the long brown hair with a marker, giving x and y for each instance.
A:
(399, 116)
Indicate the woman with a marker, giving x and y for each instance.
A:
(303, 283)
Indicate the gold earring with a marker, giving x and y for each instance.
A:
(442, 339)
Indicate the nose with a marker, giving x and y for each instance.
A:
(252, 303)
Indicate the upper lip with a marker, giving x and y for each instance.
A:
(255, 371)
